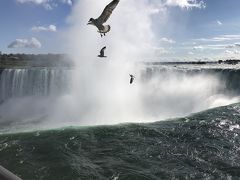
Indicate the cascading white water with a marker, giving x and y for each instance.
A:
(28, 95)
(162, 92)
(33, 82)
(170, 91)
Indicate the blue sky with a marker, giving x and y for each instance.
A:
(200, 32)
(18, 19)
(208, 29)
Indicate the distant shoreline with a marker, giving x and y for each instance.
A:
(63, 60)
(229, 61)
(32, 60)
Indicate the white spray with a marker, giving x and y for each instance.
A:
(101, 93)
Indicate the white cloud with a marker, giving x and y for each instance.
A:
(228, 52)
(188, 4)
(228, 37)
(237, 44)
(197, 48)
(160, 50)
(168, 40)
(69, 2)
(161, 6)
(47, 4)
(33, 1)
(25, 43)
(233, 52)
(213, 47)
(219, 23)
(50, 28)
(190, 53)
(229, 46)
(216, 46)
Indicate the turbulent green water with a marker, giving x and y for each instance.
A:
(203, 146)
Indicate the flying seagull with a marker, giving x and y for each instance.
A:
(102, 52)
(103, 29)
(131, 78)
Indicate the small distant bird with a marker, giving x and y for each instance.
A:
(131, 78)
(101, 55)
(103, 29)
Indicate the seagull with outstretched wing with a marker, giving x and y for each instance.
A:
(102, 52)
(103, 29)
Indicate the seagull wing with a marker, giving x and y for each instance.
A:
(107, 11)
(102, 51)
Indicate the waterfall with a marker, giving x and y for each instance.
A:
(228, 77)
(45, 97)
(33, 82)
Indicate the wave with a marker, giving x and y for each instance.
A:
(201, 146)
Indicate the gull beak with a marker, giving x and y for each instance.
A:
(89, 23)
